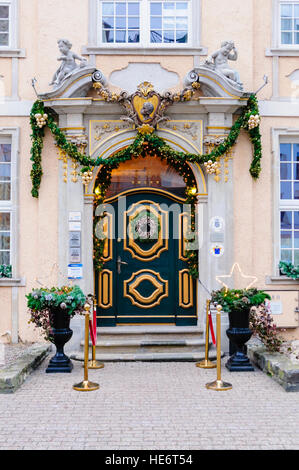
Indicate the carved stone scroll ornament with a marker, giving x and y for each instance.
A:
(68, 62)
(146, 107)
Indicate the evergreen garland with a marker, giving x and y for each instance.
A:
(146, 143)
(149, 140)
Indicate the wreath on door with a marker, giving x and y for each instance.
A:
(145, 227)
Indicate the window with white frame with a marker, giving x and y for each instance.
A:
(289, 202)
(5, 202)
(145, 23)
(289, 23)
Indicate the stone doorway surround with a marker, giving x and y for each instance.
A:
(190, 125)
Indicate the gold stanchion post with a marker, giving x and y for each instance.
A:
(94, 364)
(86, 385)
(218, 384)
(207, 364)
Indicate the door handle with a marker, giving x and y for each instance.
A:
(119, 264)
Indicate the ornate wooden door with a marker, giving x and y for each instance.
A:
(145, 277)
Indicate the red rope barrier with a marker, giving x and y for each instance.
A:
(92, 335)
(212, 329)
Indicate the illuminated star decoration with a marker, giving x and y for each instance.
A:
(250, 280)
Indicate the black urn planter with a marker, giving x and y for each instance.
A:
(239, 333)
(61, 332)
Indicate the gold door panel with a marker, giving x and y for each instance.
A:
(185, 289)
(130, 244)
(106, 289)
(131, 289)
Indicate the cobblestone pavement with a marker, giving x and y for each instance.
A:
(149, 406)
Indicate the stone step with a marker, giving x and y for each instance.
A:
(148, 357)
(142, 345)
(149, 332)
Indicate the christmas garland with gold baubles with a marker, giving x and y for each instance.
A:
(146, 143)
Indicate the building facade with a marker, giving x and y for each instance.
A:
(146, 48)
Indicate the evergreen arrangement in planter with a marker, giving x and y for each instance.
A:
(238, 304)
(51, 310)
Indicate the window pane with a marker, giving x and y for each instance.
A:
(4, 11)
(120, 36)
(133, 36)
(181, 36)
(168, 36)
(286, 239)
(120, 23)
(296, 257)
(133, 9)
(156, 23)
(4, 221)
(285, 171)
(5, 153)
(296, 171)
(5, 257)
(4, 39)
(5, 191)
(296, 152)
(286, 220)
(285, 190)
(285, 152)
(4, 172)
(156, 36)
(286, 255)
(120, 8)
(108, 22)
(286, 10)
(4, 240)
(181, 8)
(156, 8)
(108, 36)
(169, 7)
(286, 38)
(296, 24)
(133, 23)
(108, 8)
(296, 220)
(168, 22)
(296, 38)
(296, 190)
(4, 26)
(296, 239)
(286, 25)
(182, 23)
(296, 11)
(147, 172)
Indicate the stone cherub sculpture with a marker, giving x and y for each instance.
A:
(68, 59)
(219, 62)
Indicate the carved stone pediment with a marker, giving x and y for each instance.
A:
(76, 85)
(213, 83)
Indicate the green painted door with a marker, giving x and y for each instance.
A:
(145, 277)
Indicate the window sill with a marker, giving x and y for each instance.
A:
(6, 282)
(282, 52)
(281, 280)
(9, 52)
(128, 50)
